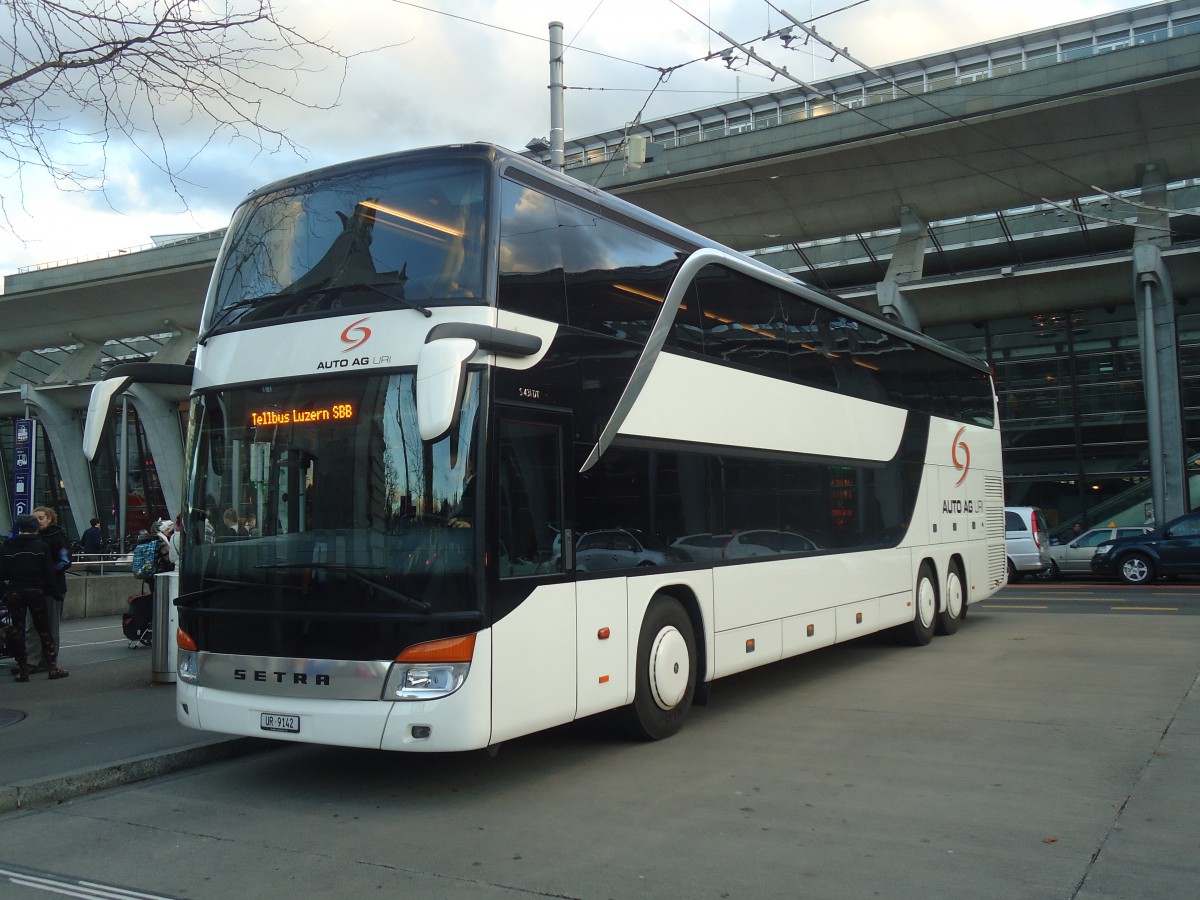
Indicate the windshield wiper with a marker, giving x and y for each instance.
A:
(411, 602)
(353, 572)
(222, 320)
(399, 298)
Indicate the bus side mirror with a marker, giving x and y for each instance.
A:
(118, 379)
(97, 412)
(441, 371)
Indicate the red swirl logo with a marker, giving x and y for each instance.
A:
(962, 461)
(356, 334)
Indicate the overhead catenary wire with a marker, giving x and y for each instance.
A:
(664, 73)
(812, 91)
(845, 54)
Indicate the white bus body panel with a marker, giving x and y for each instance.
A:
(745, 410)
(381, 340)
(460, 721)
(533, 673)
(605, 644)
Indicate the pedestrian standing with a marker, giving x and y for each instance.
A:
(27, 569)
(53, 536)
(92, 539)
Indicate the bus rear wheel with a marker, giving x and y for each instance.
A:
(666, 672)
(954, 602)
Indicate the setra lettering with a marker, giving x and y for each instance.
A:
(281, 677)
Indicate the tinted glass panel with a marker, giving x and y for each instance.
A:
(715, 508)
(530, 267)
(530, 500)
(616, 278)
(742, 321)
(371, 239)
(320, 525)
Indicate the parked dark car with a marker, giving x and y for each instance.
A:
(1172, 549)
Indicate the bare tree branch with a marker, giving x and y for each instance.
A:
(78, 75)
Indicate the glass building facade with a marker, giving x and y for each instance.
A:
(1073, 411)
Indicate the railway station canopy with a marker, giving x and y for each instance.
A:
(1033, 200)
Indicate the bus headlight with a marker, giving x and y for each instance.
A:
(409, 681)
(430, 670)
(189, 666)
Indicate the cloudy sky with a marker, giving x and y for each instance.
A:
(465, 70)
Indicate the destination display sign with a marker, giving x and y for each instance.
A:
(309, 415)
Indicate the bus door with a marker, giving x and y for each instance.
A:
(534, 635)
(293, 476)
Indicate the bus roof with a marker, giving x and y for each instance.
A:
(505, 161)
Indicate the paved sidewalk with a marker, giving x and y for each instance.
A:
(107, 724)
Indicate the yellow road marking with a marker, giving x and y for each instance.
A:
(1145, 608)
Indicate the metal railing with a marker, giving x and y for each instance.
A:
(870, 94)
(100, 564)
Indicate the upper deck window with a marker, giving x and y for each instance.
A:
(379, 238)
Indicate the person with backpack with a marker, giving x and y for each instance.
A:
(145, 557)
(27, 568)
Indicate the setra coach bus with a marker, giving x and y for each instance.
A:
(476, 449)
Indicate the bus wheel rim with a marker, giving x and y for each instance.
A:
(926, 602)
(954, 596)
(669, 668)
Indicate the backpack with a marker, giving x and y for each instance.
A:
(143, 559)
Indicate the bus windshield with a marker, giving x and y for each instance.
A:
(321, 523)
(372, 239)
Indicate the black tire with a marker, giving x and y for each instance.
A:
(1051, 573)
(1136, 568)
(1013, 575)
(919, 632)
(954, 602)
(665, 674)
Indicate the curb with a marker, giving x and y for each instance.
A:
(60, 788)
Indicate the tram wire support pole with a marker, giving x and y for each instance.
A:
(557, 137)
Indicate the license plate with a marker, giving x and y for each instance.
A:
(274, 722)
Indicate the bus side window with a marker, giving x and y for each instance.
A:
(530, 495)
(531, 270)
(742, 321)
(617, 278)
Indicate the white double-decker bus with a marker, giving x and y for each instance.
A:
(476, 450)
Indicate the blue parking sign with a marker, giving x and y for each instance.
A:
(24, 468)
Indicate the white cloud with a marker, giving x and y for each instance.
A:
(447, 79)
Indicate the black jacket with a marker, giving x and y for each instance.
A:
(26, 564)
(60, 554)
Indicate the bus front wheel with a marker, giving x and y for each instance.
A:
(666, 672)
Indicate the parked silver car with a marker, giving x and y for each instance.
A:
(624, 548)
(1026, 536)
(704, 547)
(1074, 557)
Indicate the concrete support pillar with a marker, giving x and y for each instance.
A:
(1154, 301)
(65, 429)
(160, 422)
(78, 365)
(179, 346)
(907, 265)
(7, 361)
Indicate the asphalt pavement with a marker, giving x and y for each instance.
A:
(109, 723)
